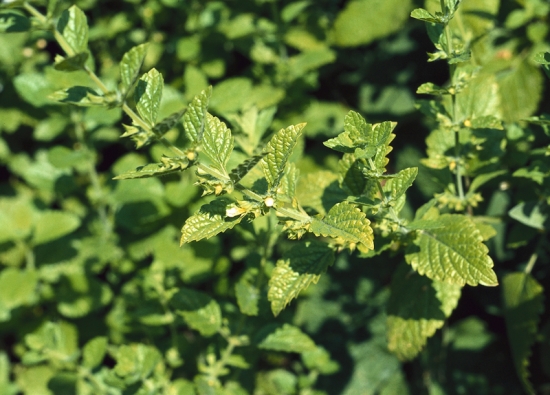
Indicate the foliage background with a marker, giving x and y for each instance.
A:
(89, 262)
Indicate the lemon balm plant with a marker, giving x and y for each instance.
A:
(99, 297)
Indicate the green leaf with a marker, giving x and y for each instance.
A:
(347, 225)
(71, 63)
(242, 170)
(402, 181)
(13, 21)
(450, 249)
(195, 118)
(52, 225)
(417, 308)
(57, 341)
(79, 95)
(73, 26)
(520, 91)
(148, 94)
(278, 152)
(130, 66)
(209, 221)
(543, 58)
(136, 362)
(248, 296)
(423, 15)
(364, 21)
(301, 266)
(94, 351)
(17, 288)
(523, 300)
(533, 214)
(217, 142)
(199, 310)
(166, 166)
(356, 130)
(287, 338)
(168, 123)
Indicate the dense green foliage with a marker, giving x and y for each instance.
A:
(268, 223)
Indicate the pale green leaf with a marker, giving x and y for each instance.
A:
(402, 181)
(199, 310)
(52, 225)
(287, 338)
(17, 288)
(450, 249)
(195, 118)
(209, 221)
(148, 94)
(136, 361)
(73, 26)
(364, 21)
(278, 152)
(423, 15)
(531, 213)
(347, 225)
(58, 341)
(130, 66)
(248, 296)
(167, 166)
(520, 91)
(94, 351)
(417, 308)
(7, 387)
(217, 142)
(299, 267)
(523, 300)
(356, 130)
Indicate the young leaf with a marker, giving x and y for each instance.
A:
(450, 249)
(130, 66)
(194, 119)
(167, 166)
(148, 94)
(73, 26)
(217, 142)
(278, 151)
(209, 221)
(347, 224)
(423, 15)
(287, 338)
(299, 267)
(199, 310)
(398, 185)
(356, 130)
(417, 308)
(523, 303)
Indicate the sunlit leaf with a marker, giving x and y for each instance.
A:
(148, 94)
(199, 310)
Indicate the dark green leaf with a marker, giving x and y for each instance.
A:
(12, 21)
(417, 307)
(523, 303)
(71, 63)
